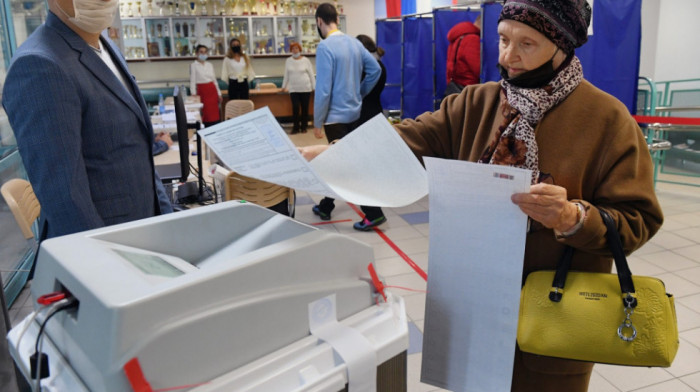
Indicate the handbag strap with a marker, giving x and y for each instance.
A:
(624, 274)
(623, 270)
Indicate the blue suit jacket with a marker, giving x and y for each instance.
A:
(85, 140)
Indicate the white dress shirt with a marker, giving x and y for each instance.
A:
(236, 70)
(202, 73)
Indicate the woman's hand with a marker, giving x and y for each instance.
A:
(549, 205)
(318, 133)
(311, 152)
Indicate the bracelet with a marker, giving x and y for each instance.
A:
(580, 216)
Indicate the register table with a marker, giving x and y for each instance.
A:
(277, 100)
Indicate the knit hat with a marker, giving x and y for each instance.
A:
(564, 22)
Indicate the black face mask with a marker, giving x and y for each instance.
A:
(236, 49)
(320, 34)
(536, 78)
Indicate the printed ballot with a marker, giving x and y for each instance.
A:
(477, 245)
(370, 166)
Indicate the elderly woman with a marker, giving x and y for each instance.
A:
(300, 81)
(585, 150)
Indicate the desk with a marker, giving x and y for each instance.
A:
(188, 99)
(166, 122)
(277, 100)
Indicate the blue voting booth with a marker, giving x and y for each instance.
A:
(416, 52)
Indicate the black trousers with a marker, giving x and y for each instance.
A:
(300, 100)
(238, 90)
(327, 204)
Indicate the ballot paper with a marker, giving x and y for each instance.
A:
(477, 245)
(370, 166)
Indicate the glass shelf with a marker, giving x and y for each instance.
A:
(171, 37)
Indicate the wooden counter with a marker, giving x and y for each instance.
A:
(277, 100)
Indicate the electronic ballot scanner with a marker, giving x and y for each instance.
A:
(227, 297)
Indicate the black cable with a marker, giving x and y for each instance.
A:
(43, 324)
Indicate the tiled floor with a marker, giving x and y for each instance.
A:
(672, 255)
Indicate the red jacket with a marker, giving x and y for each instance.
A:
(468, 51)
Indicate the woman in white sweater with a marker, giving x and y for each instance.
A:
(300, 81)
(237, 71)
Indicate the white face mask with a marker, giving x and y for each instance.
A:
(93, 16)
(296, 55)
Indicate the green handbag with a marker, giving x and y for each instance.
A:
(598, 317)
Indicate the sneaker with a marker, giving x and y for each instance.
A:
(367, 225)
(317, 211)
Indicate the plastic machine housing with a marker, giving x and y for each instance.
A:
(195, 294)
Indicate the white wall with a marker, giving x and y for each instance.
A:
(650, 29)
(677, 48)
(360, 17)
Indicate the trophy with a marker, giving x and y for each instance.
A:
(203, 6)
(305, 27)
(281, 9)
(128, 7)
(160, 30)
(138, 7)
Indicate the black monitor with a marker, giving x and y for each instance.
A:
(178, 172)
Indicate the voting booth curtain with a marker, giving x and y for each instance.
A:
(389, 39)
(610, 58)
(418, 73)
(417, 53)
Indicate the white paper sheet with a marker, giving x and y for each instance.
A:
(373, 166)
(352, 346)
(477, 245)
(370, 166)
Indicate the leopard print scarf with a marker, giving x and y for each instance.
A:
(523, 108)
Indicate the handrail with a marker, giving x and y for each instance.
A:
(652, 91)
(677, 108)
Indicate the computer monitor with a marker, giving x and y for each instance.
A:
(178, 172)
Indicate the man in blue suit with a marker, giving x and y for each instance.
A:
(81, 124)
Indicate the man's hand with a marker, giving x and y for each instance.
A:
(548, 204)
(311, 152)
(318, 133)
(165, 137)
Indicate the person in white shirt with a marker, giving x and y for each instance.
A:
(203, 83)
(237, 71)
(300, 81)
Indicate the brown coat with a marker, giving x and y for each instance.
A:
(592, 147)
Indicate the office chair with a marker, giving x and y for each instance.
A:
(264, 194)
(238, 186)
(237, 107)
(19, 196)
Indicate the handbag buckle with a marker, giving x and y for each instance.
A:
(555, 295)
(626, 326)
